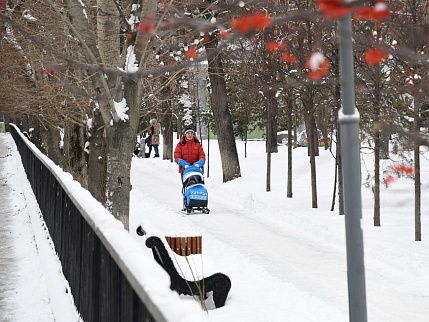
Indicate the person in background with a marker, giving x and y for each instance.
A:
(148, 142)
(154, 132)
(189, 151)
(139, 151)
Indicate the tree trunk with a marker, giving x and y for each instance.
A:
(120, 144)
(417, 181)
(167, 153)
(384, 145)
(312, 148)
(51, 146)
(221, 113)
(118, 171)
(417, 193)
(274, 112)
(338, 161)
(119, 134)
(289, 193)
(268, 148)
(74, 154)
(324, 125)
(376, 107)
(97, 159)
(377, 214)
(313, 174)
(108, 32)
(313, 134)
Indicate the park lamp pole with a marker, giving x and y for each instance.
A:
(348, 119)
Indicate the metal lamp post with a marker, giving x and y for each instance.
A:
(349, 126)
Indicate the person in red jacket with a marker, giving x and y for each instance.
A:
(189, 151)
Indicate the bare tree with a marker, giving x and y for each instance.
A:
(80, 57)
(219, 104)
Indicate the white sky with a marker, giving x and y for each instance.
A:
(286, 260)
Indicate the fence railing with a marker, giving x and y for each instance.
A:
(101, 289)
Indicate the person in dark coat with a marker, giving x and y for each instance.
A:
(148, 142)
(189, 151)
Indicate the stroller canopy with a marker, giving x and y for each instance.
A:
(193, 175)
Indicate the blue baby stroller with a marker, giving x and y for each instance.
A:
(195, 195)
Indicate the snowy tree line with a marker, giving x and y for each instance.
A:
(230, 65)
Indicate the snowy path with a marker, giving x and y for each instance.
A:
(32, 286)
(297, 265)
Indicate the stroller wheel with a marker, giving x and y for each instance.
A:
(188, 210)
(206, 210)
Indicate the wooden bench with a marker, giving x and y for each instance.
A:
(218, 283)
(185, 245)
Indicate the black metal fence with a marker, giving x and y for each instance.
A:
(101, 290)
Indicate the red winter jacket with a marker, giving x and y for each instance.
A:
(189, 150)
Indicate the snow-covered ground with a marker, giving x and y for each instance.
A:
(38, 288)
(286, 260)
